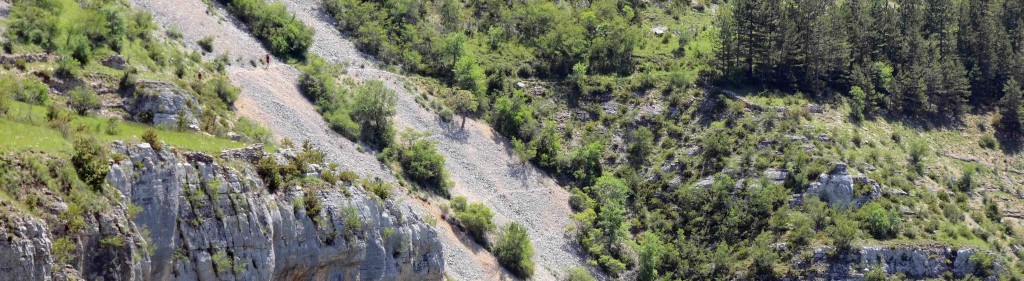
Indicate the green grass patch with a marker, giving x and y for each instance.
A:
(24, 135)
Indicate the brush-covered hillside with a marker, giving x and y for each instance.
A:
(508, 140)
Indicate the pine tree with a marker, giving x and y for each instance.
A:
(1010, 109)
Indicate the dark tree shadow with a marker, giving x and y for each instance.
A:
(1010, 143)
(453, 130)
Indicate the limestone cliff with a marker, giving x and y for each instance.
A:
(203, 218)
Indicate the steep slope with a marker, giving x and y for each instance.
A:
(211, 219)
(269, 94)
(480, 161)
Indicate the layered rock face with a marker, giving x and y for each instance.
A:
(914, 262)
(211, 222)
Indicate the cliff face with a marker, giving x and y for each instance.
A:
(211, 222)
(203, 219)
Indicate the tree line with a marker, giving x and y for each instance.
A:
(923, 58)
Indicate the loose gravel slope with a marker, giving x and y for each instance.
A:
(269, 95)
(480, 162)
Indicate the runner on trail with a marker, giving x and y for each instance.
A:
(200, 76)
(268, 60)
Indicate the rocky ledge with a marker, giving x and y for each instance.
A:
(204, 218)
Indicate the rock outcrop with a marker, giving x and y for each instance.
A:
(837, 188)
(914, 262)
(26, 251)
(162, 104)
(214, 221)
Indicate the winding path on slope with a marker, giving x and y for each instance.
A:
(481, 162)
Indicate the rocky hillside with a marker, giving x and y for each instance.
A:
(207, 218)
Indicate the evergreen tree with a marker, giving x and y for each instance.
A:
(1010, 109)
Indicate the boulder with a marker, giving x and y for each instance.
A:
(162, 104)
(114, 61)
(835, 187)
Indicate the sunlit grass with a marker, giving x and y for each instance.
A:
(25, 129)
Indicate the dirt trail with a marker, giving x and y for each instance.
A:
(480, 161)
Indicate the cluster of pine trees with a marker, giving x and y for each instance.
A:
(924, 58)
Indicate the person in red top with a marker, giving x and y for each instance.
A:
(200, 76)
(268, 60)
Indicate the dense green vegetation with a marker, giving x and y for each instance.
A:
(934, 58)
(514, 250)
(283, 35)
(420, 161)
(476, 217)
(682, 185)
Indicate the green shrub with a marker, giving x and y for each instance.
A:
(224, 90)
(989, 142)
(31, 91)
(206, 43)
(372, 109)
(353, 223)
(420, 161)
(253, 131)
(477, 219)
(579, 274)
(514, 250)
(918, 151)
(348, 176)
(587, 161)
(68, 66)
(90, 161)
(313, 206)
(879, 221)
(5, 103)
(221, 262)
(83, 99)
(984, 264)
(843, 232)
(967, 181)
(513, 117)
(641, 144)
(113, 126)
(63, 250)
(877, 273)
(379, 188)
(278, 29)
(458, 204)
(269, 171)
(152, 139)
(112, 241)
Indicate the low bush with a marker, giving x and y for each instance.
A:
(83, 100)
(989, 142)
(152, 139)
(206, 43)
(514, 250)
(478, 220)
(90, 161)
(379, 188)
(279, 30)
(113, 126)
(580, 274)
(420, 161)
(348, 176)
(879, 221)
(269, 171)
